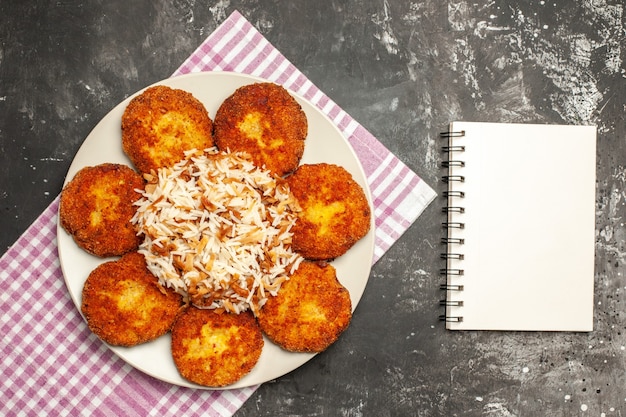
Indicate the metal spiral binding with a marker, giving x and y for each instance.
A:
(451, 178)
(448, 149)
(455, 193)
(451, 287)
(450, 209)
(449, 134)
(448, 164)
(451, 319)
(448, 255)
(456, 240)
(450, 271)
(453, 303)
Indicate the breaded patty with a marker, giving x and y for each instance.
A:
(265, 121)
(215, 349)
(97, 205)
(310, 311)
(124, 304)
(335, 211)
(160, 124)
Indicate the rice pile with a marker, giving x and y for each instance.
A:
(218, 230)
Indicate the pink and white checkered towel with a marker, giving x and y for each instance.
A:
(51, 362)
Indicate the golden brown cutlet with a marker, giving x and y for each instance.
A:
(124, 304)
(310, 311)
(335, 212)
(215, 349)
(96, 207)
(160, 124)
(266, 122)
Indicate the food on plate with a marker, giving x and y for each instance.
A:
(218, 230)
(96, 207)
(215, 349)
(334, 214)
(124, 305)
(265, 121)
(160, 124)
(220, 218)
(310, 312)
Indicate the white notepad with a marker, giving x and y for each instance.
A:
(521, 227)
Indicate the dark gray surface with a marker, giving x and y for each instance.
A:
(404, 70)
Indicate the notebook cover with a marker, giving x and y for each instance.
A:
(528, 216)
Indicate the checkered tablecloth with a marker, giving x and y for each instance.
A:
(53, 365)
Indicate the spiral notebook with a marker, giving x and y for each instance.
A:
(520, 229)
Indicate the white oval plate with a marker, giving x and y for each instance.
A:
(324, 143)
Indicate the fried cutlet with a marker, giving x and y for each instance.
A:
(335, 212)
(160, 124)
(265, 121)
(309, 312)
(124, 304)
(96, 207)
(215, 349)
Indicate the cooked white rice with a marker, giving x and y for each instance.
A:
(218, 230)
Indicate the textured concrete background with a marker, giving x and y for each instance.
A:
(403, 69)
